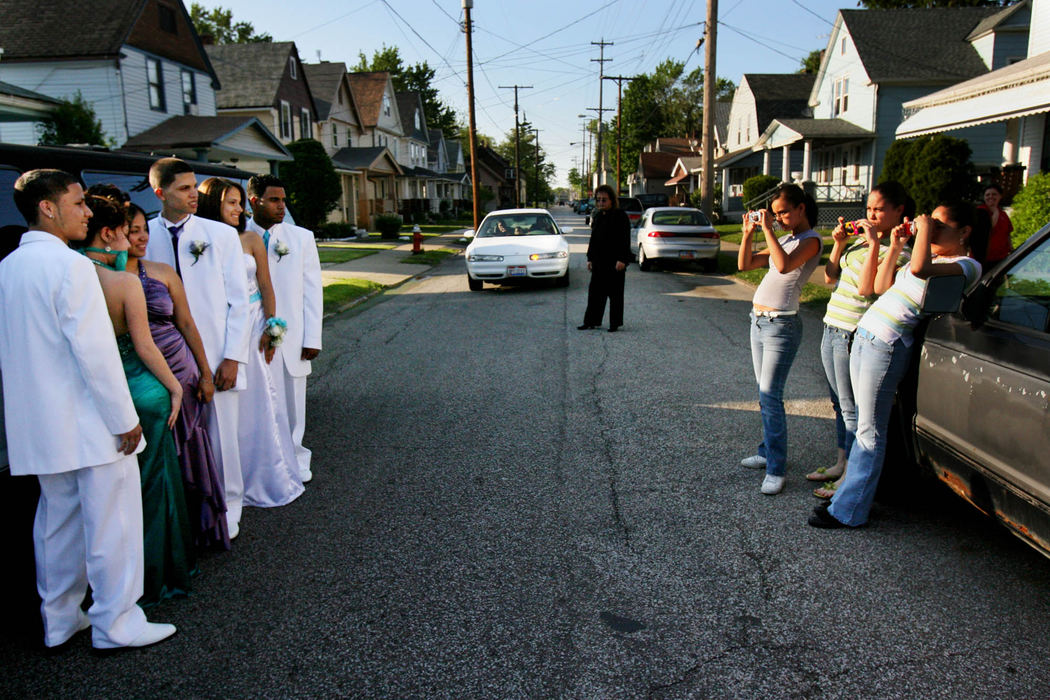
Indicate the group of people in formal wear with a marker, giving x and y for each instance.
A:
(154, 380)
(880, 267)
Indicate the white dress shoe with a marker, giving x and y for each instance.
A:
(754, 462)
(772, 485)
(306, 476)
(234, 529)
(155, 632)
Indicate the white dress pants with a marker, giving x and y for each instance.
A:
(292, 394)
(222, 427)
(88, 530)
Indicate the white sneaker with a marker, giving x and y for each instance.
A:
(153, 633)
(754, 462)
(772, 485)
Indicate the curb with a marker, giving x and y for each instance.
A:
(386, 288)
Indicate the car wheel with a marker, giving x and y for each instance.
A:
(475, 285)
(564, 280)
(644, 264)
(710, 265)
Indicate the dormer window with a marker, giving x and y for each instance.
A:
(291, 68)
(166, 16)
(386, 104)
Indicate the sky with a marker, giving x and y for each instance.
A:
(546, 44)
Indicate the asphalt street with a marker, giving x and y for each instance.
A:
(504, 506)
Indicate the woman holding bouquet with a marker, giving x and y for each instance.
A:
(268, 463)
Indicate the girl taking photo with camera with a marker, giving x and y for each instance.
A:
(776, 329)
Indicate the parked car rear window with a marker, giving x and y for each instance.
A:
(680, 218)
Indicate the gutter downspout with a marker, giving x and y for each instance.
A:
(123, 98)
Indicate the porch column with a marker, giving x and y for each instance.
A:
(807, 154)
(785, 166)
(1010, 142)
(725, 190)
(765, 162)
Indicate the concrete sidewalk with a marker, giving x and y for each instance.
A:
(816, 278)
(384, 266)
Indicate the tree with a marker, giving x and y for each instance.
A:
(418, 78)
(913, 4)
(932, 169)
(811, 63)
(313, 185)
(73, 121)
(216, 26)
(1031, 207)
(528, 151)
(575, 180)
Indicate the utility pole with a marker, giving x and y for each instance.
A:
(619, 126)
(467, 6)
(536, 175)
(517, 142)
(601, 105)
(707, 186)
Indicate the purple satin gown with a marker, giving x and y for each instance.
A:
(205, 494)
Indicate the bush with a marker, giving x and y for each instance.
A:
(388, 225)
(73, 121)
(335, 230)
(1031, 209)
(313, 185)
(932, 169)
(759, 185)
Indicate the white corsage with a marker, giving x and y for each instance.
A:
(275, 328)
(197, 249)
(282, 249)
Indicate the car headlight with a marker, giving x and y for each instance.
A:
(485, 258)
(548, 256)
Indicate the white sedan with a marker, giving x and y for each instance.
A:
(676, 233)
(517, 244)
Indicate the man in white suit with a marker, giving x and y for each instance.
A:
(211, 263)
(70, 421)
(295, 271)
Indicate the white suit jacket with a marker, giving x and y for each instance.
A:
(216, 285)
(297, 285)
(65, 393)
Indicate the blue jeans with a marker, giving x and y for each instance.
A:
(834, 353)
(774, 342)
(876, 368)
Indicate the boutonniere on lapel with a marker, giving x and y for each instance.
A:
(282, 249)
(197, 249)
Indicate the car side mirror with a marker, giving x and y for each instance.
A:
(943, 294)
(976, 304)
(469, 233)
(566, 229)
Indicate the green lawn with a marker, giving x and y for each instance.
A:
(429, 257)
(341, 255)
(814, 296)
(342, 292)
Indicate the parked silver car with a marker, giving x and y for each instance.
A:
(676, 233)
(976, 410)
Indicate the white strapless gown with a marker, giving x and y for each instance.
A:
(268, 463)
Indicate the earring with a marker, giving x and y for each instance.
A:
(108, 249)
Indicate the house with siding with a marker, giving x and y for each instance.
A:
(759, 99)
(137, 62)
(1016, 95)
(413, 154)
(338, 127)
(875, 61)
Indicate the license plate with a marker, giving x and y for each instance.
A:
(517, 271)
(686, 254)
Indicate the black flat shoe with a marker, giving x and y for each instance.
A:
(613, 329)
(823, 519)
(585, 327)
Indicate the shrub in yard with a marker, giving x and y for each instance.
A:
(313, 185)
(932, 169)
(759, 185)
(335, 230)
(1031, 207)
(388, 225)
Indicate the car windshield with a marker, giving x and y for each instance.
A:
(518, 225)
(680, 218)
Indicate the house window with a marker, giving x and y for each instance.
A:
(291, 68)
(286, 120)
(304, 124)
(840, 96)
(842, 47)
(155, 78)
(167, 19)
(856, 164)
(386, 104)
(189, 91)
(335, 134)
(417, 119)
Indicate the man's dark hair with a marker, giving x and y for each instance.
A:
(35, 186)
(257, 184)
(164, 171)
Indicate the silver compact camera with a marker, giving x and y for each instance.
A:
(755, 216)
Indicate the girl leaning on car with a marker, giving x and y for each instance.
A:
(853, 264)
(776, 329)
(608, 253)
(883, 342)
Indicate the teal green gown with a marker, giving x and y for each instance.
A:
(167, 541)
